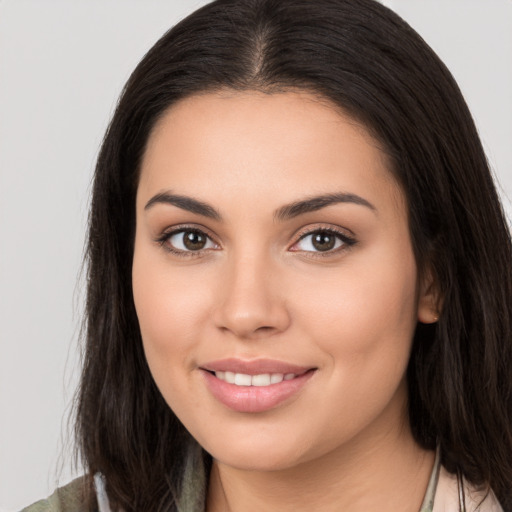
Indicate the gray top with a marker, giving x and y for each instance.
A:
(445, 492)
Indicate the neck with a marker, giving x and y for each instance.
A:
(386, 474)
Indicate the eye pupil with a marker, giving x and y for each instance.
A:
(323, 241)
(193, 240)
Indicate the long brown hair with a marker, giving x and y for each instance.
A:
(370, 63)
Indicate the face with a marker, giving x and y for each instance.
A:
(274, 278)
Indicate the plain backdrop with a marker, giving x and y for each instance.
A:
(62, 66)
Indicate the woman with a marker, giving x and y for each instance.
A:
(299, 276)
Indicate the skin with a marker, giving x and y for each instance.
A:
(259, 290)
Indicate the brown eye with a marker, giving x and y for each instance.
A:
(188, 240)
(323, 241)
(193, 240)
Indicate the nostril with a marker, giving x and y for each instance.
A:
(251, 317)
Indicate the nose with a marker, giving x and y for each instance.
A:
(252, 302)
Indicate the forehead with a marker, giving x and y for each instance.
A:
(232, 144)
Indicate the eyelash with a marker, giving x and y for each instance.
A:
(163, 240)
(346, 241)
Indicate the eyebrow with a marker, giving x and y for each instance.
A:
(185, 203)
(315, 203)
(286, 212)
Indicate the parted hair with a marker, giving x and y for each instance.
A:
(374, 67)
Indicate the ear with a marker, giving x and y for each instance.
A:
(429, 300)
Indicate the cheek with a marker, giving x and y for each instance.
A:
(171, 310)
(168, 309)
(364, 320)
(355, 309)
(364, 323)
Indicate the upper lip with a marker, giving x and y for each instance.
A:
(254, 367)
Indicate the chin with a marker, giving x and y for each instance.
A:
(258, 460)
(261, 453)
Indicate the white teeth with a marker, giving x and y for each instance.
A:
(241, 379)
(263, 379)
(276, 378)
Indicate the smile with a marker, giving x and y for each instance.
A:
(263, 379)
(255, 386)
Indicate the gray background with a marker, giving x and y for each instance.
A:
(62, 66)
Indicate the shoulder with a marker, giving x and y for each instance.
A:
(70, 498)
(448, 496)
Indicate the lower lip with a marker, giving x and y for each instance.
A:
(254, 398)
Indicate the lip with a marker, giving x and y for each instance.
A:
(255, 399)
(254, 367)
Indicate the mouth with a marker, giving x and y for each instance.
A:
(255, 386)
(262, 379)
